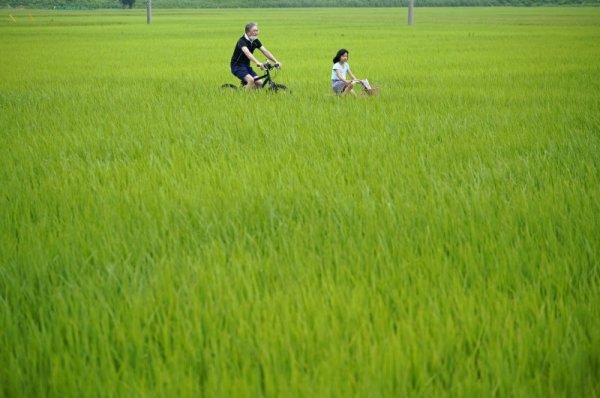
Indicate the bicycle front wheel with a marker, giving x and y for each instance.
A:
(278, 88)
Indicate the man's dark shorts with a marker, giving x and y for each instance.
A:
(240, 71)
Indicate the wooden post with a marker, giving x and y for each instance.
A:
(149, 11)
(411, 6)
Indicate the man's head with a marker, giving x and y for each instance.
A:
(252, 30)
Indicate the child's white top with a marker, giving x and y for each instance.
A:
(342, 68)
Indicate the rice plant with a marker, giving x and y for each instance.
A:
(162, 237)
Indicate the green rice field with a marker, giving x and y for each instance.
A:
(161, 237)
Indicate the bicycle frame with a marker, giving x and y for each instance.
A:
(266, 76)
(268, 82)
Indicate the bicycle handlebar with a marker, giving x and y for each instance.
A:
(269, 66)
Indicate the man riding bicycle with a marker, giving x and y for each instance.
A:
(243, 54)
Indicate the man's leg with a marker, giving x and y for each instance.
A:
(249, 82)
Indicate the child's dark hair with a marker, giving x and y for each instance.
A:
(341, 52)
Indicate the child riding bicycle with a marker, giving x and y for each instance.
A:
(339, 76)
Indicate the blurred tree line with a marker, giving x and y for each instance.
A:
(88, 4)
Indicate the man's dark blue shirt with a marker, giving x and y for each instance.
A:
(238, 56)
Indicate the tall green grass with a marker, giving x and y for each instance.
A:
(160, 237)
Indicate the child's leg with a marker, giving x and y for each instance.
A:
(348, 89)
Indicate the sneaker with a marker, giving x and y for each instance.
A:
(372, 91)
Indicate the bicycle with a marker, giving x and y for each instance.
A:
(268, 83)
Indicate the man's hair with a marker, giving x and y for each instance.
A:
(250, 25)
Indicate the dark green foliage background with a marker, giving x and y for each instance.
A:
(90, 4)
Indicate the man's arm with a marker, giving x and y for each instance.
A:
(251, 57)
(270, 56)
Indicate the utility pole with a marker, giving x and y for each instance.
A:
(411, 6)
(149, 11)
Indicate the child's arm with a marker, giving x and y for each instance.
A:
(340, 77)
(351, 74)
